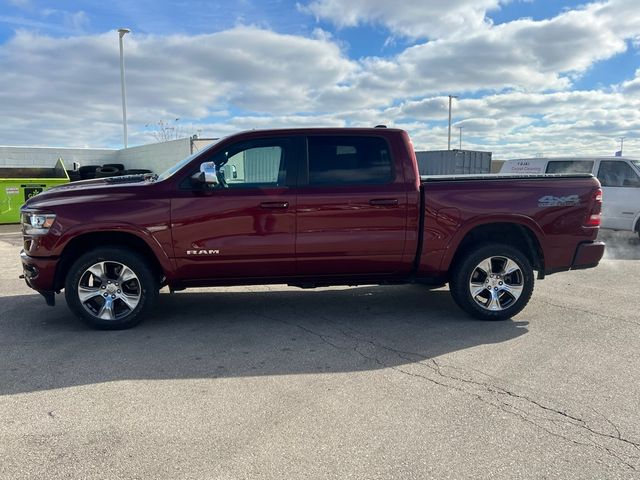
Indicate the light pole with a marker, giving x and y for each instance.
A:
(122, 32)
(460, 148)
(621, 144)
(449, 137)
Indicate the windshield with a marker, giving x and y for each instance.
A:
(167, 173)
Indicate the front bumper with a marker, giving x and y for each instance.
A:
(588, 255)
(39, 273)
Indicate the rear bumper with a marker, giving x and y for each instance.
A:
(588, 255)
(39, 273)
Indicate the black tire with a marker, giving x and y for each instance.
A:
(493, 298)
(88, 171)
(117, 166)
(115, 298)
(105, 172)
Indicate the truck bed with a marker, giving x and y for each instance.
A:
(501, 176)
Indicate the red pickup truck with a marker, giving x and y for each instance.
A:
(306, 207)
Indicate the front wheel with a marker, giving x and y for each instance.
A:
(492, 282)
(110, 288)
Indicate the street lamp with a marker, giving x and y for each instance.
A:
(449, 138)
(621, 145)
(122, 32)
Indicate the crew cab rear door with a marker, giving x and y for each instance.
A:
(352, 208)
(245, 226)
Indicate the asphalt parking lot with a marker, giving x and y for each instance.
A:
(362, 382)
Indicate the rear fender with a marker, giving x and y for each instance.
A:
(466, 228)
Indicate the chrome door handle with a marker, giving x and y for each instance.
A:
(384, 202)
(274, 205)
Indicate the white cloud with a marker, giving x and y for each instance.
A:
(632, 87)
(411, 18)
(524, 55)
(520, 124)
(69, 85)
(66, 91)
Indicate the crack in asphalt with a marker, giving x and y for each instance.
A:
(491, 388)
(589, 312)
(460, 384)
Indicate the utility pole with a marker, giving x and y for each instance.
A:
(122, 32)
(449, 137)
(460, 137)
(621, 144)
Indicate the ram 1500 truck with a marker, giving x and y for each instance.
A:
(306, 207)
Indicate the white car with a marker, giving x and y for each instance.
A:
(619, 177)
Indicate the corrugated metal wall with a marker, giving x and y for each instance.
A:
(450, 162)
(261, 165)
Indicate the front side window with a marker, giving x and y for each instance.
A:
(615, 173)
(249, 164)
(570, 166)
(348, 160)
(253, 166)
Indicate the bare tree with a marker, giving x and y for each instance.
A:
(167, 130)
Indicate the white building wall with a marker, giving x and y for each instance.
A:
(156, 157)
(47, 156)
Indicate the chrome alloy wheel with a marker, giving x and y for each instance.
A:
(496, 283)
(109, 290)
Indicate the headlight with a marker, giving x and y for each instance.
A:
(34, 223)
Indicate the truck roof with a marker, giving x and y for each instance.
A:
(322, 130)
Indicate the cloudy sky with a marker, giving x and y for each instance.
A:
(532, 76)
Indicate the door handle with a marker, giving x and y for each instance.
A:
(384, 202)
(274, 205)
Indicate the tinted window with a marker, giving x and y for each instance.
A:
(348, 160)
(570, 166)
(617, 174)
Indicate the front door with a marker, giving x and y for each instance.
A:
(245, 226)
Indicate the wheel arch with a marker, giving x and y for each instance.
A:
(510, 233)
(86, 242)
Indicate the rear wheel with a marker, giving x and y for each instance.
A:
(492, 282)
(110, 288)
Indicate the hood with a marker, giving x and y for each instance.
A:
(87, 189)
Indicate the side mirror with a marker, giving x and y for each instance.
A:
(207, 174)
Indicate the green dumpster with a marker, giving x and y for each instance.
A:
(18, 184)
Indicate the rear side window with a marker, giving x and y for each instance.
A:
(617, 174)
(570, 166)
(348, 160)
